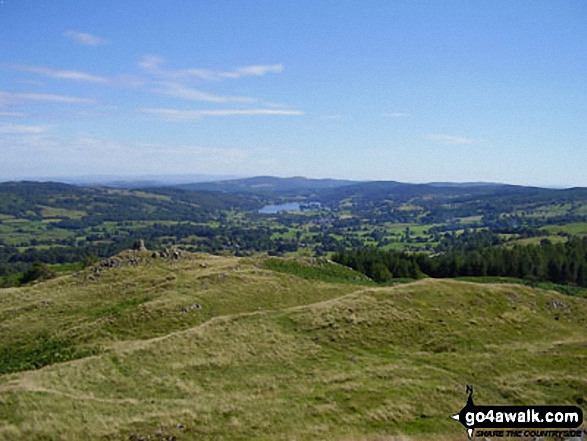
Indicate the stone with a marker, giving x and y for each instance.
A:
(139, 245)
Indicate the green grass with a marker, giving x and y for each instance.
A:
(317, 269)
(576, 291)
(53, 212)
(67, 267)
(150, 300)
(41, 350)
(575, 228)
(276, 351)
(117, 309)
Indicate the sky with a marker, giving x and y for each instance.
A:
(411, 91)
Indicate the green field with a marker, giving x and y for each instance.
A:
(576, 228)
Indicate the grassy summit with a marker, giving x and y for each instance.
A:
(211, 347)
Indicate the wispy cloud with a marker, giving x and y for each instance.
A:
(72, 75)
(8, 99)
(85, 38)
(12, 114)
(253, 71)
(153, 64)
(18, 129)
(185, 115)
(396, 114)
(180, 91)
(443, 138)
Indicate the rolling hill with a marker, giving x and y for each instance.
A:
(268, 184)
(208, 347)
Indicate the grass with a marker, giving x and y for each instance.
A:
(317, 269)
(42, 350)
(569, 290)
(279, 349)
(574, 228)
(67, 267)
(53, 212)
(536, 240)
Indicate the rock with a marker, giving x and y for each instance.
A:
(139, 245)
(155, 255)
(203, 265)
(559, 304)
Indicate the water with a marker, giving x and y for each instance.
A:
(290, 206)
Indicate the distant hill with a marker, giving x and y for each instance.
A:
(268, 184)
(335, 190)
(30, 199)
(119, 181)
(464, 184)
(381, 190)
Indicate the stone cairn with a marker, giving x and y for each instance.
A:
(139, 245)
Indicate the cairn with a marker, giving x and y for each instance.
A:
(139, 245)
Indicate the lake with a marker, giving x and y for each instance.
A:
(290, 206)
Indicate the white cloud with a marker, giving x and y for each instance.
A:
(443, 138)
(18, 129)
(397, 115)
(184, 115)
(8, 99)
(85, 38)
(12, 114)
(254, 71)
(275, 105)
(72, 75)
(153, 64)
(183, 92)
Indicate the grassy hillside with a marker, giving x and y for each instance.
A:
(211, 347)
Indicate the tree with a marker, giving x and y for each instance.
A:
(90, 259)
(37, 271)
(379, 273)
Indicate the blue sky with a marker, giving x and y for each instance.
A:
(413, 91)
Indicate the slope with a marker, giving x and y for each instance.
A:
(317, 361)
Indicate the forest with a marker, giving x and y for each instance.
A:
(562, 263)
